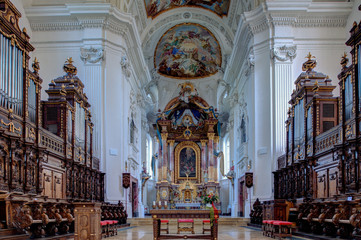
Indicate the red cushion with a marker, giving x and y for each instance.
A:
(104, 223)
(185, 220)
(115, 221)
(109, 221)
(271, 221)
(265, 221)
(284, 223)
(164, 221)
(207, 221)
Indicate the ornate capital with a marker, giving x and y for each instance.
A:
(211, 136)
(284, 53)
(203, 143)
(164, 136)
(124, 62)
(171, 143)
(216, 139)
(92, 55)
(250, 59)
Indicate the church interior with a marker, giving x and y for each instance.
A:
(174, 119)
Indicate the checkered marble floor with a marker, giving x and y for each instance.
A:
(225, 233)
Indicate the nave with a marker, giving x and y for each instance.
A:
(225, 233)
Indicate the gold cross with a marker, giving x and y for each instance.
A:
(309, 56)
(69, 60)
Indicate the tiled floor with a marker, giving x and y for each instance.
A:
(225, 233)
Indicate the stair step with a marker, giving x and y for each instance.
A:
(8, 232)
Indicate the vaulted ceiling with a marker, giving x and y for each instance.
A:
(188, 39)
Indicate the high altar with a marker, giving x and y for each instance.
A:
(188, 131)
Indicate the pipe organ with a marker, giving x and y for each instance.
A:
(46, 160)
(12, 57)
(321, 170)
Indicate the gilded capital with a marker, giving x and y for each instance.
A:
(171, 142)
(216, 139)
(211, 136)
(203, 143)
(164, 136)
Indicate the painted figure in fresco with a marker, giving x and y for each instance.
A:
(188, 51)
(154, 7)
(187, 163)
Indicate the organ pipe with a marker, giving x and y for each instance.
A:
(11, 76)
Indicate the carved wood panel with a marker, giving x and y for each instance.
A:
(322, 184)
(53, 182)
(333, 181)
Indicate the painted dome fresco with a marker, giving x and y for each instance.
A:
(188, 51)
(156, 7)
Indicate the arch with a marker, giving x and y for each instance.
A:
(175, 100)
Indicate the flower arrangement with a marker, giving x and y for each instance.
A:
(210, 198)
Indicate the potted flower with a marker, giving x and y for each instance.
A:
(209, 200)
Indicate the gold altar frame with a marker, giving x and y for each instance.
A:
(177, 151)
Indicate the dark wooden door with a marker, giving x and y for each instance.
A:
(134, 199)
(241, 199)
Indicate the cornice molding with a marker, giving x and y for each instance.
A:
(75, 17)
(298, 14)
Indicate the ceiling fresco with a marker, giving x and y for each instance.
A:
(156, 7)
(188, 51)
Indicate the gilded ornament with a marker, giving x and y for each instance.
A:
(310, 64)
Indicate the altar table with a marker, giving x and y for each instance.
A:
(158, 214)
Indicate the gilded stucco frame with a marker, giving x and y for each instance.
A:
(177, 151)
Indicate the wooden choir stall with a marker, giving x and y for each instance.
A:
(320, 174)
(46, 154)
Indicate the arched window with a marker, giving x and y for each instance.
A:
(227, 153)
(132, 129)
(243, 131)
(149, 151)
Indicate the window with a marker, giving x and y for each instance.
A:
(132, 129)
(243, 131)
(149, 155)
(348, 98)
(226, 154)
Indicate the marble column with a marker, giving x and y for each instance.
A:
(210, 157)
(204, 157)
(216, 169)
(171, 157)
(164, 156)
(159, 164)
(93, 58)
(282, 56)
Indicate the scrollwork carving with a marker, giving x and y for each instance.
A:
(92, 55)
(284, 53)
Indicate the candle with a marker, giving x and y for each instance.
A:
(165, 203)
(160, 203)
(153, 203)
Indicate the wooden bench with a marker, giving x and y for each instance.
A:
(167, 228)
(185, 229)
(206, 229)
(109, 228)
(282, 229)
